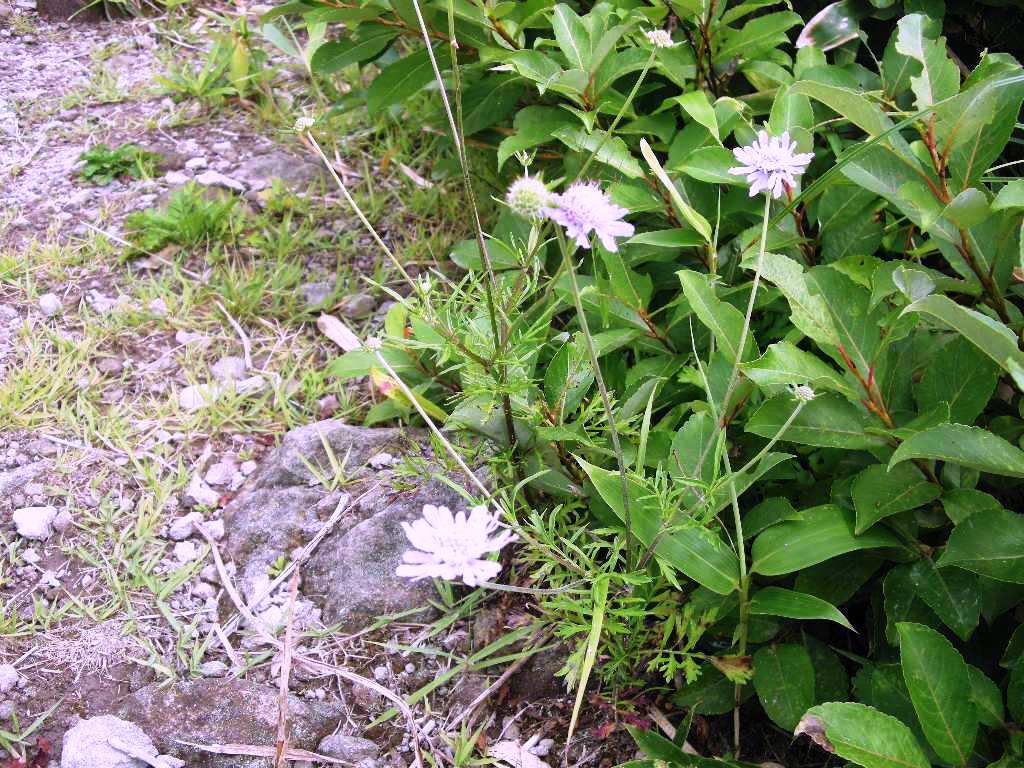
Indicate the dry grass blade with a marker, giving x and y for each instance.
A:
(246, 749)
(286, 669)
(338, 332)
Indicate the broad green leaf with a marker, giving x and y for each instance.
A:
(792, 112)
(937, 678)
(863, 735)
(533, 125)
(690, 548)
(766, 514)
(828, 421)
(986, 697)
(711, 694)
(967, 209)
(776, 601)
(334, 56)
(971, 447)
(990, 544)
(837, 580)
(783, 363)
(879, 493)
(831, 683)
(696, 105)
(612, 151)
(939, 78)
(668, 238)
(489, 102)
(882, 686)
(404, 78)
(991, 337)
(951, 592)
(723, 320)
(757, 36)
(1010, 197)
(961, 503)
(711, 165)
(962, 376)
(825, 532)
(857, 323)
(784, 681)
(572, 36)
(809, 312)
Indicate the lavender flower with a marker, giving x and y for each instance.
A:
(771, 163)
(528, 197)
(659, 38)
(451, 547)
(584, 208)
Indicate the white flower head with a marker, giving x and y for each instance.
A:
(584, 208)
(451, 547)
(373, 344)
(303, 124)
(802, 392)
(528, 197)
(659, 38)
(771, 163)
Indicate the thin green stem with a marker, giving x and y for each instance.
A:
(605, 400)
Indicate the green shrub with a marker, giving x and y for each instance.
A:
(799, 452)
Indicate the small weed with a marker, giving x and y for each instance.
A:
(103, 164)
(190, 218)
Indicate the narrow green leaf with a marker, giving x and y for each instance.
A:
(723, 320)
(776, 601)
(951, 592)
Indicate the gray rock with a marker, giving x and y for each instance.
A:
(218, 179)
(176, 178)
(195, 164)
(35, 522)
(213, 669)
(18, 477)
(316, 294)
(222, 711)
(88, 744)
(297, 173)
(50, 304)
(349, 748)
(221, 472)
(228, 368)
(183, 527)
(357, 305)
(8, 677)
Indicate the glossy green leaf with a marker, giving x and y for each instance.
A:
(989, 543)
(879, 492)
(783, 363)
(960, 375)
(828, 421)
(951, 592)
(776, 601)
(334, 56)
(784, 681)
(723, 320)
(1010, 197)
(939, 78)
(986, 697)
(971, 447)
(863, 735)
(825, 532)
(937, 678)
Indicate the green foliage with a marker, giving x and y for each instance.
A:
(103, 164)
(193, 216)
(812, 438)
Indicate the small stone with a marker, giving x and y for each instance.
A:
(410, 668)
(217, 179)
(204, 591)
(50, 304)
(248, 467)
(183, 527)
(381, 460)
(222, 147)
(8, 677)
(158, 307)
(176, 178)
(35, 522)
(110, 365)
(221, 472)
(30, 556)
(186, 551)
(170, 761)
(316, 294)
(198, 396)
(349, 749)
(328, 405)
(214, 528)
(357, 305)
(209, 574)
(380, 674)
(62, 521)
(6, 710)
(191, 337)
(196, 163)
(229, 368)
(213, 669)
(199, 493)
